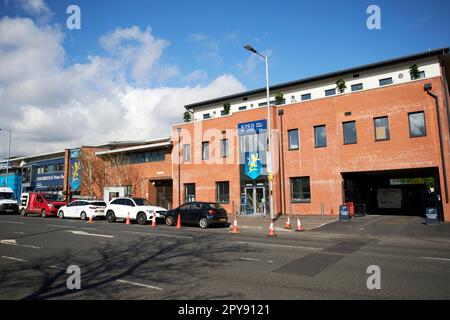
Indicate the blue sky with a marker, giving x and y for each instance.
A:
(132, 67)
(304, 38)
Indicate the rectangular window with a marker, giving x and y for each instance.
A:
(306, 96)
(293, 139)
(417, 127)
(357, 87)
(206, 116)
(264, 104)
(381, 128)
(421, 75)
(189, 192)
(300, 189)
(242, 108)
(386, 81)
(205, 150)
(320, 136)
(224, 147)
(186, 153)
(223, 192)
(330, 92)
(349, 132)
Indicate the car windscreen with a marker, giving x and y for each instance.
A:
(142, 202)
(7, 196)
(53, 197)
(98, 204)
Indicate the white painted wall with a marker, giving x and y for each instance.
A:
(369, 79)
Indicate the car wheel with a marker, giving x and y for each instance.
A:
(23, 212)
(83, 216)
(170, 221)
(110, 216)
(203, 223)
(43, 214)
(61, 215)
(142, 218)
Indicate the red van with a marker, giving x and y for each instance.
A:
(44, 204)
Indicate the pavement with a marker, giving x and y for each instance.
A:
(261, 223)
(119, 261)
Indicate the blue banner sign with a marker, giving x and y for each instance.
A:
(45, 181)
(75, 169)
(252, 127)
(253, 166)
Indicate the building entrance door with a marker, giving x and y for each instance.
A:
(255, 200)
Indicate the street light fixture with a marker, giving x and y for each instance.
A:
(9, 155)
(179, 168)
(269, 159)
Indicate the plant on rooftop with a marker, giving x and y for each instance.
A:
(414, 71)
(340, 85)
(279, 98)
(226, 108)
(187, 116)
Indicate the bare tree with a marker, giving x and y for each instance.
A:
(121, 172)
(93, 174)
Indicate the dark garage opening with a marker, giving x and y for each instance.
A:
(394, 192)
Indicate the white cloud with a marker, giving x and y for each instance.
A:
(35, 8)
(50, 106)
(208, 48)
(196, 75)
(252, 62)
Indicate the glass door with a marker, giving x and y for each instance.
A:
(255, 200)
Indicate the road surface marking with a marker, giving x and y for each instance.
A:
(87, 228)
(18, 232)
(56, 267)
(83, 233)
(13, 242)
(13, 222)
(256, 260)
(278, 245)
(15, 259)
(139, 284)
(159, 234)
(58, 225)
(435, 258)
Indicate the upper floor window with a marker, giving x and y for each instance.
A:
(187, 153)
(224, 147)
(242, 108)
(417, 127)
(357, 87)
(421, 75)
(349, 132)
(381, 128)
(320, 136)
(330, 92)
(264, 104)
(205, 150)
(306, 96)
(206, 115)
(293, 139)
(386, 81)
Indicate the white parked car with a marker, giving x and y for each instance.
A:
(139, 209)
(83, 209)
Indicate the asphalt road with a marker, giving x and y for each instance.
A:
(119, 261)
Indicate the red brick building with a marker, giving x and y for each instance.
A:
(383, 143)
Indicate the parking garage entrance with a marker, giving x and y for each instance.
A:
(394, 192)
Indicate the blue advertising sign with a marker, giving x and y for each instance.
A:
(75, 174)
(252, 127)
(253, 166)
(45, 181)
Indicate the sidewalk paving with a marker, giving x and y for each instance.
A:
(261, 223)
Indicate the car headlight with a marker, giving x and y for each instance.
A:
(151, 211)
(51, 205)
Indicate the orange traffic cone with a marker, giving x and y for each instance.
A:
(154, 222)
(299, 225)
(235, 228)
(91, 220)
(179, 222)
(271, 230)
(128, 219)
(288, 223)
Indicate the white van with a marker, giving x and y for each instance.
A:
(8, 202)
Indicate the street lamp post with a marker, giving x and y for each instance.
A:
(269, 142)
(9, 155)
(179, 168)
